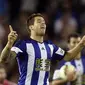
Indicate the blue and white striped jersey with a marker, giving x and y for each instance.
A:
(34, 60)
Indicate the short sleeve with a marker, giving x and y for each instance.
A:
(19, 47)
(58, 53)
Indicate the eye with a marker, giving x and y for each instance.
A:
(78, 41)
(38, 21)
(74, 42)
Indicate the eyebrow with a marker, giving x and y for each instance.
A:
(38, 20)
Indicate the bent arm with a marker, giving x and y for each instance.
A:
(7, 54)
(71, 54)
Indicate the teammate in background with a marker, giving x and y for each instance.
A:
(3, 80)
(34, 55)
(78, 62)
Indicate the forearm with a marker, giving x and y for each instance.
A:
(5, 53)
(71, 54)
(7, 50)
(58, 82)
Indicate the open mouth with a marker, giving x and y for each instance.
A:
(42, 27)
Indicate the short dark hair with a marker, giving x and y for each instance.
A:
(74, 35)
(30, 20)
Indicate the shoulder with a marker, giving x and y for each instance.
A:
(19, 42)
(82, 57)
(51, 44)
(48, 42)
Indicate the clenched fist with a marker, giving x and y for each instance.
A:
(12, 36)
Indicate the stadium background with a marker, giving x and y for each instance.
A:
(63, 17)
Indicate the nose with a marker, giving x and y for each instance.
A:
(43, 23)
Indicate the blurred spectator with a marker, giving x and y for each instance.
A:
(2, 35)
(3, 7)
(3, 19)
(28, 5)
(66, 25)
(14, 10)
(82, 2)
(3, 75)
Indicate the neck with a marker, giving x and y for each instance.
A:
(37, 38)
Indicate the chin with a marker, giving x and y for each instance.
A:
(41, 34)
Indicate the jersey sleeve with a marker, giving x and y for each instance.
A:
(58, 53)
(19, 47)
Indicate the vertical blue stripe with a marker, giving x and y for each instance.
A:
(83, 62)
(22, 63)
(73, 63)
(22, 59)
(48, 57)
(35, 75)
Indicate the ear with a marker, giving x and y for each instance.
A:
(31, 27)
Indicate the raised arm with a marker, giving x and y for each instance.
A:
(6, 53)
(71, 54)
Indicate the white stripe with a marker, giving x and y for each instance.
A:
(80, 70)
(31, 59)
(44, 57)
(68, 63)
(51, 48)
(79, 66)
(47, 81)
(16, 50)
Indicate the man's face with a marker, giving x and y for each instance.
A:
(39, 26)
(73, 42)
(2, 74)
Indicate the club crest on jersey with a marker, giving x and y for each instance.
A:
(42, 64)
(43, 48)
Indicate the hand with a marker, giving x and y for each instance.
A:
(12, 36)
